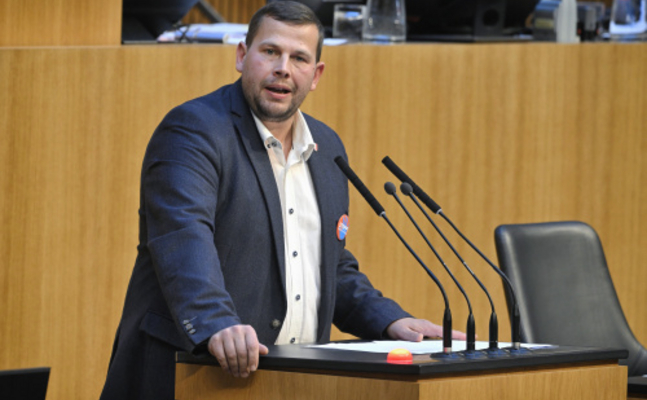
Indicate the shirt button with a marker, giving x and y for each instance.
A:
(275, 324)
(291, 211)
(294, 254)
(298, 297)
(189, 326)
(192, 331)
(292, 340)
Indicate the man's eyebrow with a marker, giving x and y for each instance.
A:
(303, 53)
(298, 52)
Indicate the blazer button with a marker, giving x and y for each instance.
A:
(276, 324)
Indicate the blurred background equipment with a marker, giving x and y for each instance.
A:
(628, 19)
(451, 20)
(556, 21)
(145, 20)
(590, 19)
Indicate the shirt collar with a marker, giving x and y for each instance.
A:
(302, 141)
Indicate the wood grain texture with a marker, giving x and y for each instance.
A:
(604, 382)
(495, 133)
(232, 11)
(60, 23)
(74, 128)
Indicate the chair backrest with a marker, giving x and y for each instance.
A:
(24, 384)
(563, 287)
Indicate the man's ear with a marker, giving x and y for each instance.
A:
(319, 69)
(241, 52)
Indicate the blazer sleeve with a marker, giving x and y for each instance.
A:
(180, 181)
(359, 308)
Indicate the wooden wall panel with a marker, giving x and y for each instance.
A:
(74, 128)
(232, 11)
(588, 382)
(495, 133)
(60, 22)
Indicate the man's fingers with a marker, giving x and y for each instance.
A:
(237, 354)
(217, 349)
(413, 336)
(237, 349)
(458, 335)
(252, 350)
(415, 329)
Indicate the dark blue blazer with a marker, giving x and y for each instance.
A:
(211, 249)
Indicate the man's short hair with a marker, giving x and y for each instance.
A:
(289, 12)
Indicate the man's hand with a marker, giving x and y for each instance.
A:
(237, 348)
(414, 330)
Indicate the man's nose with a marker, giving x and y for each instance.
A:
(281, 67)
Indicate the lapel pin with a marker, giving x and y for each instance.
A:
(342, 227)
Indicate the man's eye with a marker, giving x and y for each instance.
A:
(269, 52)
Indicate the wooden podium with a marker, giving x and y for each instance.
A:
(302, 373)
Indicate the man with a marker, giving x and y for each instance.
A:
(240, 205)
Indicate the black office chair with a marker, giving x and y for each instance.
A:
(565, 293)
(24, 384)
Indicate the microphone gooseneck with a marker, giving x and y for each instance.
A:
(516, 317)
(471, 328)
(436, 209)
(379, 210)
(395, 170)
(494, 323)
(359, 185)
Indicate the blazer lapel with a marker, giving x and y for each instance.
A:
(320, 174)
(257, 153)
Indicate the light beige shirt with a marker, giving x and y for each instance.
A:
(301, 231)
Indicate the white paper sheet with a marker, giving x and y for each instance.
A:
(424, 347)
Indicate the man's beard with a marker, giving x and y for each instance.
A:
(265, 113)
(263, 108)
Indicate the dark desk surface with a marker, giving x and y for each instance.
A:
(303, 357)
(637, 384)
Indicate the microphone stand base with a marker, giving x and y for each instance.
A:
(446, 356)
(519, 352)
(496, 352)
(473, 354)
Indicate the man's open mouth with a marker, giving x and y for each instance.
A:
(280, 90)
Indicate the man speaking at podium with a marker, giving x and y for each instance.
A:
(243, 217)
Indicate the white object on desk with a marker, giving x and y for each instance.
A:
(424, 347)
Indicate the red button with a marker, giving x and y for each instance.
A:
(399, 356)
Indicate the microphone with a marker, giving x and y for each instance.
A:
(471, 329)
(359, 185)
(493, 348)
(395, 170)
(433, 206)
(379, 210)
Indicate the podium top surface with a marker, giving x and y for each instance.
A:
(637, 384)
(304, 357)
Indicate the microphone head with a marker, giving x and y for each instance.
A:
(424, 197)
(390, 188)
(406, 189)
(359, 185)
